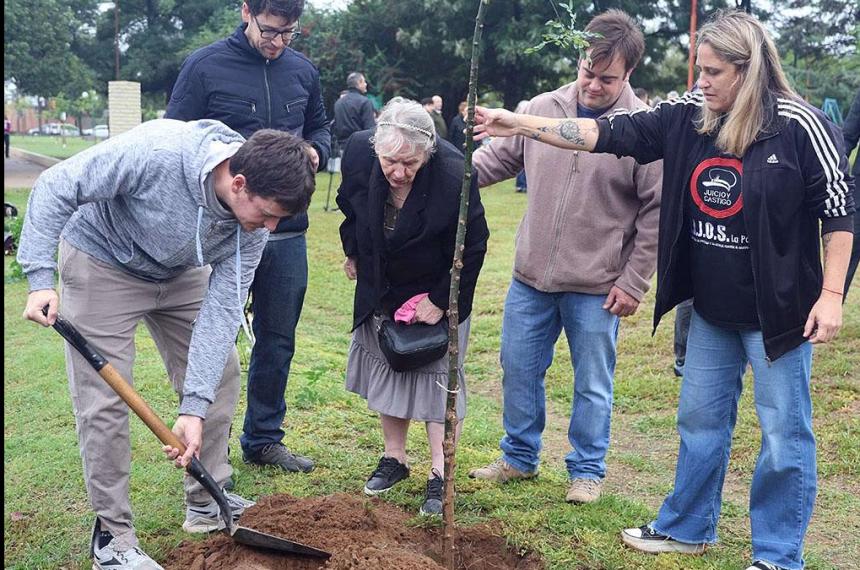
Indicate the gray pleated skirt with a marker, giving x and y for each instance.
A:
(419, 394)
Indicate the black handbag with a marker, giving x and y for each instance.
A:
(407, 347)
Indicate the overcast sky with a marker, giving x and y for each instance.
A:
(335, 4)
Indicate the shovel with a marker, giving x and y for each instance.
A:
(128, 394)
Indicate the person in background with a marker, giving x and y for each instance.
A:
(433, 106)
(585, 253)
(401, 195)
(751, 263)
(7, 134)
(165, 224)
(353, 111)
(851, 133)
(457, 127)
(250, 81)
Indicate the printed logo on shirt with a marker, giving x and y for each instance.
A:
(715, 188)
(772, 159)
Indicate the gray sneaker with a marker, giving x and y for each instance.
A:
(500, 471)
(279, 456)
(207, 518)
(109, 555)
(583, 491)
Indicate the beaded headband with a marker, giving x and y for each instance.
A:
(407, 127)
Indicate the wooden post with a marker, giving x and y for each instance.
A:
(448, 551)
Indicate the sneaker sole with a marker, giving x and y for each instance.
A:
(660, 546)
(281, 467)
(581, 501)
(200, 528)
(373, 493)
(424, 513)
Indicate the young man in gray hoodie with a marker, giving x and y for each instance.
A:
(585, 253)
(166, 224)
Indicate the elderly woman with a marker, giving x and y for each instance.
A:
(400, 194)
(752, 176)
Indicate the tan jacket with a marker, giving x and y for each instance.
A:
(591, 220)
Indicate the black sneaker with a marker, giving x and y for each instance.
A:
(278, 455)
(646, 539)
(433, 499)
(388, 472)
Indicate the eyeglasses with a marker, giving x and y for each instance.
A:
(286, 36)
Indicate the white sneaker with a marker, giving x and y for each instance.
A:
(106, 555)
(207, 518)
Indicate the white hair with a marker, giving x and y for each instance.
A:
(404, 125)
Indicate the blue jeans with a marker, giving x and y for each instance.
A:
(532, 323)
(278, 293)
(521, 180)
(784, 482)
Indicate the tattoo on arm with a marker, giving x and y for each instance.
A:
(567, 130)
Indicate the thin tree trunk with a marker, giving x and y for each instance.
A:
(448, 553)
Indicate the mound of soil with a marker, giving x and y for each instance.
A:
(360, 533)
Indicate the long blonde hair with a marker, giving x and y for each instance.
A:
(741, 40)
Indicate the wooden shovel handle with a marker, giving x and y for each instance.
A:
(139, 406)
(119, 384)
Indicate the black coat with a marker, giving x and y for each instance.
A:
(352, 113)
(795, 176)
(417, 257)
(455, 132)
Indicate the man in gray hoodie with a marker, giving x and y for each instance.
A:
(166, 224)
(585, 253)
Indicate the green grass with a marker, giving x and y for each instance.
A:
(46, 513)
(52, 145)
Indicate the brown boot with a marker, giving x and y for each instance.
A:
(500, 471)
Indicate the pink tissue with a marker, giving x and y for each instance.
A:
(406, 312)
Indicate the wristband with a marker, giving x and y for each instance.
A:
(831, 291)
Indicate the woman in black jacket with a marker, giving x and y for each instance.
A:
(400, 195)
(750, 172)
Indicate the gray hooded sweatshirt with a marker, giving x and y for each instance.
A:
(143, 201)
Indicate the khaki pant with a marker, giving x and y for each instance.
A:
(106, 304)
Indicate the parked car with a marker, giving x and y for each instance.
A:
(101, 131)
(55, 129)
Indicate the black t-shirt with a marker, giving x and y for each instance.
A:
(720, 264)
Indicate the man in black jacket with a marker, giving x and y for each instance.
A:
(250, 81)
(353, 112)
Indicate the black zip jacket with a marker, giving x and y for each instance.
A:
(794, 175)
(417, 257)
(230, 81)
(352, 113)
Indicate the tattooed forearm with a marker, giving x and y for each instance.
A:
(575, 134)
(567, 130)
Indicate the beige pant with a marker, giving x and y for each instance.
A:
(105, 304)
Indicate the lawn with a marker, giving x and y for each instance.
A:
(52, 145)
(47, 519)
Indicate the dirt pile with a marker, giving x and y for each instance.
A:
(360, 533)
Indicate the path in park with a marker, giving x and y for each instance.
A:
(20, 173)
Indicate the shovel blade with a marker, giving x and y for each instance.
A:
(251, 537)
